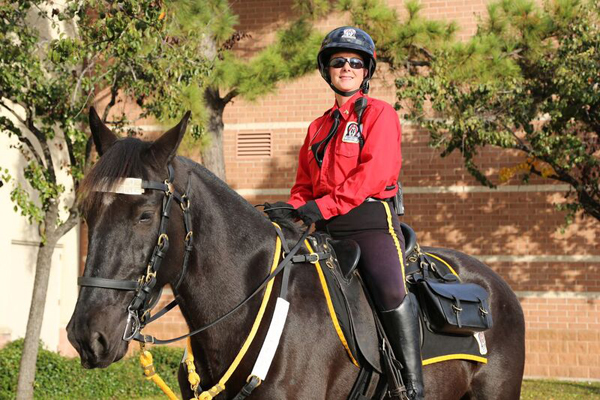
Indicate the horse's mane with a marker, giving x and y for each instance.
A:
(122, 160)
(222, 190)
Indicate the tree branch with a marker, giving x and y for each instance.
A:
(114, 91)
(80, 78)
(22, 138)
(229, 96)
(43, 143)
(71, 221)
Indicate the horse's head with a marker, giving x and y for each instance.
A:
(123, 236)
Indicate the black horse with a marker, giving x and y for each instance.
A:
(233, 250)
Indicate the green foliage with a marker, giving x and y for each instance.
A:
(401, 43)
(527, 81)
(129, 50)
(59, 377)
(292, 55)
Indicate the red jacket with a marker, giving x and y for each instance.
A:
(350, 175)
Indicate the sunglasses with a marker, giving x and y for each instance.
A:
(339, 62)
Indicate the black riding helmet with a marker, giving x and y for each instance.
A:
(347, 38)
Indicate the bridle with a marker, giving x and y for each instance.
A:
(138, 311)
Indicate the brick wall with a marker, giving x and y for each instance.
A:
(515, 229)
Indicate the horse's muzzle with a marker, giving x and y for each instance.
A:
(97, 340)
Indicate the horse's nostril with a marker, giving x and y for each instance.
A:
(98, 344)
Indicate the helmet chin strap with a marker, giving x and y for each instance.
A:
(364, 87)
(341, 93)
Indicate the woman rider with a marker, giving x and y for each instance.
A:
(347, 173)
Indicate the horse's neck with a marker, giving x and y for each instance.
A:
(233, 252)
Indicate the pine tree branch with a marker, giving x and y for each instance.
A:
(229, 96)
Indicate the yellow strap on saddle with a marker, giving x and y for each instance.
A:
(336, 323)
(445, 263)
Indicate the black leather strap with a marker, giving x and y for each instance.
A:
(310, 258)
(107, 283)
(248, 388)
(319, 148)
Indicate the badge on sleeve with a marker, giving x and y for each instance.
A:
(351, 133)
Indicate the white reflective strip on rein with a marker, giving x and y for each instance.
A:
(131, 186)
(267, 352)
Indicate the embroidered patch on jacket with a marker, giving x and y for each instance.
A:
(351, 133)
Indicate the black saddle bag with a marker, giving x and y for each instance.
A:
(452, 307)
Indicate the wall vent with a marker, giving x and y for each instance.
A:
(253, 145)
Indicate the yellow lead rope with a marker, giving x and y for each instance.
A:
(150, 372)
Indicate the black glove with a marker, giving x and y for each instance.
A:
(280, 211)
(309, 213)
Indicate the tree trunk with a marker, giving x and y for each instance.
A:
(213, 156)
(38, 301)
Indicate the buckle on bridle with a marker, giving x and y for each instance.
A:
(133, 325)
(162, 238)
(312, 258)
(185, 203)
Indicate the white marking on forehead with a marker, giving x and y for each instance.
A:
(132, 186)
(107, 199)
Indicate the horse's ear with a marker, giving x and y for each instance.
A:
(103, 137)
(165, 147)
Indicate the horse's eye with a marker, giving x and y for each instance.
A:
(146, 216)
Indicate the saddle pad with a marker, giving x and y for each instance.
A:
(439, 347)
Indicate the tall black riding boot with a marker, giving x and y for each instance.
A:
(402, 329)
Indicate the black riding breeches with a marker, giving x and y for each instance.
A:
(375, 227)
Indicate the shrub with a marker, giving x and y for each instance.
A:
(59, 377)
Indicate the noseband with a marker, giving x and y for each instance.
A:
(139, 308)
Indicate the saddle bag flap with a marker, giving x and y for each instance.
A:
(455, 308)
(463, 291)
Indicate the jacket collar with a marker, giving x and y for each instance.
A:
(348, 108)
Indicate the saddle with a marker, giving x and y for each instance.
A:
(354, 318)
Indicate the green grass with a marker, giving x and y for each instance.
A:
(559, 390)
(63, 378)
(532, 390)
